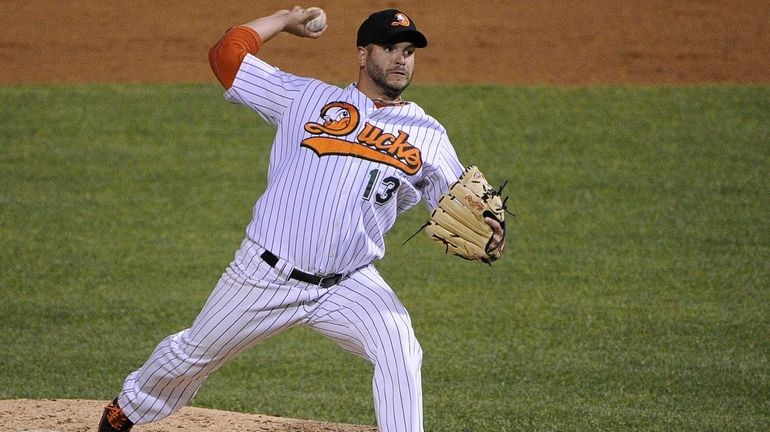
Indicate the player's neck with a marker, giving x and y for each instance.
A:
(376, 93)
(384, 100)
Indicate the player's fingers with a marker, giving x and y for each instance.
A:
(318, 33)
(498, 234)
(297, 20)
(496, 227)
(309, 14)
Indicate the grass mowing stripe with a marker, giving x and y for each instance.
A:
(634, 296)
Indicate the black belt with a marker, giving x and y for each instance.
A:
(324, 281)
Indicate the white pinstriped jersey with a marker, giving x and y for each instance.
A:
(340, 168)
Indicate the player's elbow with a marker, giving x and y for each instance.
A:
(226, 56)
(218, 64)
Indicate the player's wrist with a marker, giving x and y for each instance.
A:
(282, 18)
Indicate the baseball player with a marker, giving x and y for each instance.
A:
(344, 163)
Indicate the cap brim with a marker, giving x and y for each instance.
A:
(413, 36)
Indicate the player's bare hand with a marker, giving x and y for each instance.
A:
(295, 21)
(498, 234)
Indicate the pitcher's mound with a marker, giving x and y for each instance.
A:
(57, 415)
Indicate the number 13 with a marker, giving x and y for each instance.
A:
(391, 184)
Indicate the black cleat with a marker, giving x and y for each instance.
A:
(113, 419)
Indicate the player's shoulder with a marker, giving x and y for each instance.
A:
(415, 115)
(292, 79)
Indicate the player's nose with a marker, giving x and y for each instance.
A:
(399, 57)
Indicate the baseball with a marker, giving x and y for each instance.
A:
(317, 23)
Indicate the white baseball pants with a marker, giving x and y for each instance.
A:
(253, 301)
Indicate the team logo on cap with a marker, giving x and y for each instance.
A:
(401, 20)
(372, 143)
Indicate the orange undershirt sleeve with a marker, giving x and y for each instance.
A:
(226, 55)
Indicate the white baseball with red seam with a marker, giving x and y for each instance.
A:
(317, 23)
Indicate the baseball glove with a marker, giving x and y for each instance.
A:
(457, 223)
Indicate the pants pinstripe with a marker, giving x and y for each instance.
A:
(252, 302)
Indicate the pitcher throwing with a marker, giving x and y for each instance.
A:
(344, 163)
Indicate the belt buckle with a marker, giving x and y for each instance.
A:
(323, 279)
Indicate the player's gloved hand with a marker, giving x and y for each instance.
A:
(498, 234)
(469, 220)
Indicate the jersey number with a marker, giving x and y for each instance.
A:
(390, 183)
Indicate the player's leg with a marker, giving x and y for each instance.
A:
(364, 316)
(238, 314)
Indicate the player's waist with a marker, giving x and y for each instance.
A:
(252, 256)
(323, 280)
(321, 250)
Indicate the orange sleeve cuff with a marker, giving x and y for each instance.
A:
(226, 56)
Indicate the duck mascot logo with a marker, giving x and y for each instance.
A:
(401, 20)
(372, 143)
(339, 118)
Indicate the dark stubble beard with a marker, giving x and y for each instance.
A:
(379, 77)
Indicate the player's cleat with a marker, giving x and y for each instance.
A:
(113, 419)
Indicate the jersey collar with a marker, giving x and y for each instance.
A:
(381, 103)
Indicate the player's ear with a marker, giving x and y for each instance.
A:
(362, 54)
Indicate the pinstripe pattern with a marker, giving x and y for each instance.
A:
(320, 213)
(253, 302)
(364, 316)
(312, 213)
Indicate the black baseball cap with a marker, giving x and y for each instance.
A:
(389, 25)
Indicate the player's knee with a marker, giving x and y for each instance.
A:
(186, 358)
(416, 355)
(407, 358)
(401, 344)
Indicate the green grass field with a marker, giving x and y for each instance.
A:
(635, 294)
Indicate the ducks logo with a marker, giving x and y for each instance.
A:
(339, 118)
(401, 20)
(372, 143)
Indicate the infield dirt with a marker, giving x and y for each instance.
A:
(53, 415)
(510, 42)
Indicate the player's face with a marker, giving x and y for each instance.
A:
(390, 67)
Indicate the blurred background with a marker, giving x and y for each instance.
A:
(514, 42)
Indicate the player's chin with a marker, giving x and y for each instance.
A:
(399, 82)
